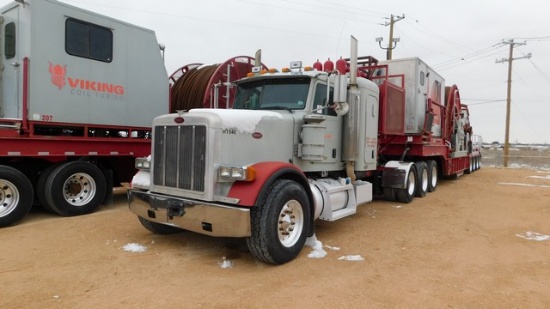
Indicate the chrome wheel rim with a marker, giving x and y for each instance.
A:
(79, 189)
(291, 223)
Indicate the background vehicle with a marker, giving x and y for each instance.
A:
(301, 145)
(73, 110)
(78, 93)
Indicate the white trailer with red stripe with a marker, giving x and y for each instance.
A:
(78, 93)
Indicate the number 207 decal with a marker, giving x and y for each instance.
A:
(46, 117)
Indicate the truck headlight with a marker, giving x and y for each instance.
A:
(245, 173)
(143, 163)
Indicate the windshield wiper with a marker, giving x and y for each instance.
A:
(278, 108)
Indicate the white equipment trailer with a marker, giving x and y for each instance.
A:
(78, 93)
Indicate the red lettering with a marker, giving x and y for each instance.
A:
(95, 86)
(73, 82)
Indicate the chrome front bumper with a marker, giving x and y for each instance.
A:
(205, 218)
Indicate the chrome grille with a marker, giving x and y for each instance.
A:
(179, 157)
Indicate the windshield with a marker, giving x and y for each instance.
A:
(277, 93)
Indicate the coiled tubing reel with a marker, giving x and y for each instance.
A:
(197, 85)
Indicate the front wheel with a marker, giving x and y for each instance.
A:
(75, 188)
(16, 196)
(280, 223)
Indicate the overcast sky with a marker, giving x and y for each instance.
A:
(459, 39)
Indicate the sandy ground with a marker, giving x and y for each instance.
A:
(470, 244)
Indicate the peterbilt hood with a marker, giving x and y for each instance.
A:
(241, 137)
(242, 121)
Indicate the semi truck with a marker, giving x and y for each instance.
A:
(303, 144)
(78, 93)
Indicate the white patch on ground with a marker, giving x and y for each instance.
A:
(351, 258)
(244, 121)
(371, 212)
(527, 166)
(539, 177)
(318, 252)
(522, 184)
(397, 206)
(225, 263)
(134, 247)
(534, 236)
(332, 248)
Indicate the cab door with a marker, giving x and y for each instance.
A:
(333, 124)
(10, 64)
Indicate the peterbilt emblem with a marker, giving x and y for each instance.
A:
(58, 75)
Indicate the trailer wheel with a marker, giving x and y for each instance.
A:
(40, 190)
(75, 188)
(472, 166)
(432, 175)
(280, 223)
(406, 194)
(16, 195)
(479, 162)
(422, 179)
(158, 228)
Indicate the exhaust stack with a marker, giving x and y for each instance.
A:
(353, 63)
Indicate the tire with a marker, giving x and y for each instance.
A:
(478, 165)
(471, 168)
(75, 188)
(16, 196)
(421, 179)
(479, 162)
(406, 194)
(280, 223)
(389, 194)
(433, 175)
(158, 228)
(40, 192)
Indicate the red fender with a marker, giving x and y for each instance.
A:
(266, 172)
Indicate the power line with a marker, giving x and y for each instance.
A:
(483, 54)
(211, 20)
(429, 32)
(353, 9)
(539, 70)
(483, 102)
(540, 38)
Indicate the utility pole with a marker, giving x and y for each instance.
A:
(509, 95)
(392, 42)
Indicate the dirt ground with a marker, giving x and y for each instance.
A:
(472, 243)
